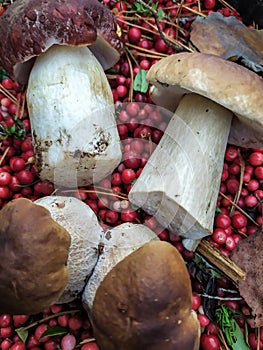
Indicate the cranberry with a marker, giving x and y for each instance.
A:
(63, 320)
(129, 215)
(6, 332)
(196, 301)
(251, 201)
(230, 243)
(219, 236)
(258, 172)
(232, 185)
(75, 323)
(17, 164)
(5, 192)
(6, 344)
(5, 320)
(209, 342)
(256, 158)
(7, 83)
(238, 221)
(222, 221)
(203, 319)
(253, 185)
(128, 175)
(68, 342)
(25, 177)
(19, 345)
(134, 35)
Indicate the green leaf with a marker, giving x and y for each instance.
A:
(3, 74)
(230, 328)
(140, 84)
(22, 333)
(161, 14)
(52, 331)
(238, 335)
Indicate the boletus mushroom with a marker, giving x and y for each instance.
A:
(33, 253)
(86, 234)
(69, 99)
(180, 182)
(143, 301)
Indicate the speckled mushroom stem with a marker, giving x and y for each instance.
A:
(180, 182)
(71, 111)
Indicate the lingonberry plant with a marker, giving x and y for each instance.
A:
(151, 30)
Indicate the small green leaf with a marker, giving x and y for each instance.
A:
(22, 333)
(52, 331)
(161, 14)
(140, 83)
(3, 74)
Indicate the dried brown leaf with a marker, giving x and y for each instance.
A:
(229, 38)
(248, 256)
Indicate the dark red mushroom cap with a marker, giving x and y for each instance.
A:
(29, 27)
(108, 46)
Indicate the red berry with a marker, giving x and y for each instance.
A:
(222, 221)
(25, 177)
(209, 342)
(17, 164)
(203, 319)
(134, 35)
(68, 342)
(238, 221)
(256, 158)
(5, 320)
(128, 175)
(19, 345)
(7, 83)
(258, 172)
(231, 153)
(219, 236)
(75, 323)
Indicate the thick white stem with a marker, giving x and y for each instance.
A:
(71, 111)
(180, 182)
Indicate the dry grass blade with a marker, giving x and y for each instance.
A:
(241, 180)
(130, 97)
(4, 155)
(240, 209)
(8, 94)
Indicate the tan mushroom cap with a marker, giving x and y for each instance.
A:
(144, 302)
(225, 82)
(29, 27)
(33, 254)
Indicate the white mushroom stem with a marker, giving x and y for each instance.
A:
(71, 111)
(86, 234)
(180, 182)
(118, 243)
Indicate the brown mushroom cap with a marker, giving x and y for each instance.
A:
(224, 82)
(30, 27)
(144, 302)
(33, 254)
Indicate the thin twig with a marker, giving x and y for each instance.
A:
(156, 18)
(218, 298)
(240, 209)
(131, 76)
